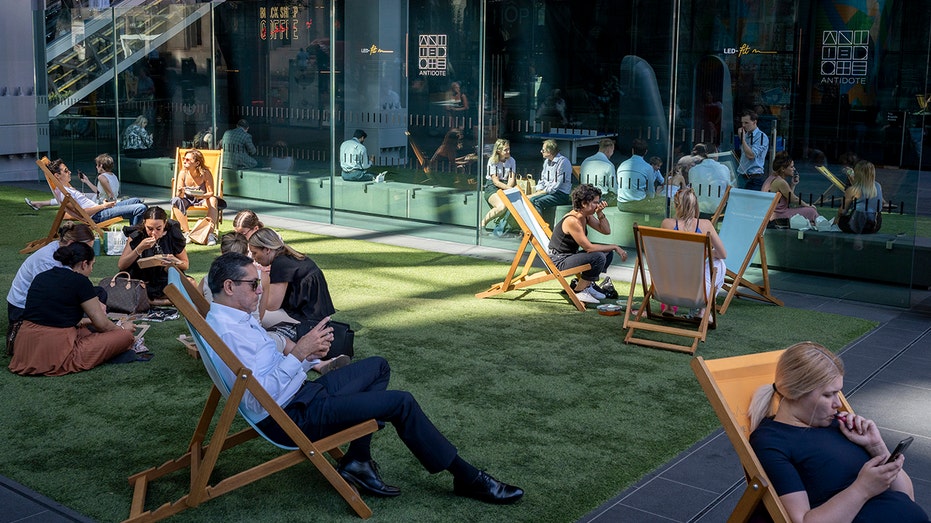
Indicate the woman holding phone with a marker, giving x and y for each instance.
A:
(825, 464)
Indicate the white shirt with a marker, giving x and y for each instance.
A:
(282, 376)
(501, 169)
(598, 170)
(556, 175)
(709, 179)
(78, 196)
(114, 185)
(353, 156)
(39, 261)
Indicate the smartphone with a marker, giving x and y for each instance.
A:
(899, 449)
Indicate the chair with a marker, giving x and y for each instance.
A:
(741, 232)
(677, 261)
(201, 459)
(68, 209)
(835, 181)
(194, 295)
(213, 160)
(729, 384)
(537, 235)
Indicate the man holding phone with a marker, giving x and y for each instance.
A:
(340, 398)
(754, 144)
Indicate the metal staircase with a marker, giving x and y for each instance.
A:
(93, 52)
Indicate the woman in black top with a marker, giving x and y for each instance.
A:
(52, 340)
(295, 284)
(570, 246)
(156, 235)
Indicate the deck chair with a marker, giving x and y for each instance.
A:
(213, 160)
(835, 181)
(676, 261)
(192, 293)
(729, 384)
(201, 459)
(537, 235)
(68, 209)
(741, 232)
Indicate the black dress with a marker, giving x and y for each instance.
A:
(156, 278)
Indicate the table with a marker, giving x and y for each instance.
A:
(574, 141)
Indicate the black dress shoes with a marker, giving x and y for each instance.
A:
(488, 489)
(364, 475)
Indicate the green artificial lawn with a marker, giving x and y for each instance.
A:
(528, 388)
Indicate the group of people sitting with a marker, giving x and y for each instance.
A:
(271, 305)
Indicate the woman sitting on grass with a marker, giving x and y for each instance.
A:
(51, 341)
(156, 235)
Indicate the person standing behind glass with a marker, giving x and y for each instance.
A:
(753, 147)
(597, 169)
(636, 177)
(354, 159)
(238, 147)
(137, 142)
(500, 175)
(555, 179)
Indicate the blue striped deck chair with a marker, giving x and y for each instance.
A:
(201, 458)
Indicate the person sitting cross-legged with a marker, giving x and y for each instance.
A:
(336, 400)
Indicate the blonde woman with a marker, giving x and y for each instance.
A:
(295, 296)
(825, 465)
(686, 219)
(861, 210)
(501, 174)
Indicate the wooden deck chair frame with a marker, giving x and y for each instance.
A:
(213, 159)
(536, 234)
(835, 181)
(68, 209)
(734, 280)
(201, 458)
(179, 279)
(729, 384)
(671, 270)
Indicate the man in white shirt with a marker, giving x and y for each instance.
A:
(598, 169)
(635, 176)
(709, 178)
(131, 208)
(354, 159)
(336, 400)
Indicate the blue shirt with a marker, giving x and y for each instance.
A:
(556, 176)
(759, 144)
(634, 178)
(598, 171)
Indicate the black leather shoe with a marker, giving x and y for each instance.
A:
(364, 475)
(488, 489)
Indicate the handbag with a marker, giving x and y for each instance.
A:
(115, 240)
(201, 231)
(125, 294)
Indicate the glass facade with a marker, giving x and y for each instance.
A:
(433, 85)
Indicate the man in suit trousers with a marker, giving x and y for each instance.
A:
(338, 399)
(238, 147)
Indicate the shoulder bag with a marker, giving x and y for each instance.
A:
(125, 294)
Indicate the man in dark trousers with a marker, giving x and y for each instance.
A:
(338, 399)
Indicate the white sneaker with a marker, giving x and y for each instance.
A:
(594, 292)
(211, 239)
(34, 206)
(585, 296)
(381, 177)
